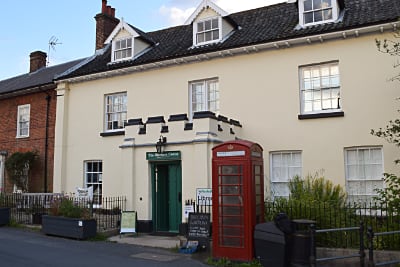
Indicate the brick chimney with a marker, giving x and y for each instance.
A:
(105, 24)
(38, 60)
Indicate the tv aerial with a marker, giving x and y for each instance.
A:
(52, 46)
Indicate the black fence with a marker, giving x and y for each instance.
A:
(202, 206)
(330, 216)
(28, 208)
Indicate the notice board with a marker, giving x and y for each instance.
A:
(199, 228)
(128, 222)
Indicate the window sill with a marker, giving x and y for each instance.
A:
(106, 134)
(321, 115)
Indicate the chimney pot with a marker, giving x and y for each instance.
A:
(37, 60)
(104, 7)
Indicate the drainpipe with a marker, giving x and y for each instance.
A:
(46, 146)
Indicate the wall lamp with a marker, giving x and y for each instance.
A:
(161, 143)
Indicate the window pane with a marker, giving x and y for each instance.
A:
(317, 4)
(208, 36)
(318, 16)
(215, 23)
(207, 25)
(307, 5)
(308, 17)
(200, 37)
(327, 14)
(215, 34)
(200, 27)
(118, 45)
(326, 3)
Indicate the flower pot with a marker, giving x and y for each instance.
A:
(4, 216)
(69, 227)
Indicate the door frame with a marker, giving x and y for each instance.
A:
(153, 176)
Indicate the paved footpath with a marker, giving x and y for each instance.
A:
(22, 247)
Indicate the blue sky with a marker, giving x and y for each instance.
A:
(28, 25)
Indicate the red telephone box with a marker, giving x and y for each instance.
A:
(237, 198)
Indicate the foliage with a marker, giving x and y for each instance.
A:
(316, 188)
(392, 48)
(67, 208)
(225, 262)
(2, 200)
(390, 195)
(18, 167)
(318, 199)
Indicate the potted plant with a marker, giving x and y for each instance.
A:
(4, 211)
(69, 219)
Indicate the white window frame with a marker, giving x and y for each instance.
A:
(328, 90)
(115, 49)
(25, 120)
(357, 179)
(119, 114)
(208, 103)
(196, 31)
(290, 168)
(335, 13)
(90, 175)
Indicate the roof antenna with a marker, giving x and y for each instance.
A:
(52, 44)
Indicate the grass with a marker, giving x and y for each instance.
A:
(228, 263)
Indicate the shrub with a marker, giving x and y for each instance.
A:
(67, 208)
(316, 188)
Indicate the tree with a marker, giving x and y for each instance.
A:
(390, 194)
(18, 167)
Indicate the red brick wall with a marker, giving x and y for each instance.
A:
(36, 139)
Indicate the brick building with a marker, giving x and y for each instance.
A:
(27, 114)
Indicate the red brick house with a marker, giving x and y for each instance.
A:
(27, 115)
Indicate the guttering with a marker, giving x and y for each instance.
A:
(273, 45)
(26, 91)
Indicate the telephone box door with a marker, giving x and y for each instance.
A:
(238, 198)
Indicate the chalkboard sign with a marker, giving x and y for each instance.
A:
(128, 222)
(199, 228)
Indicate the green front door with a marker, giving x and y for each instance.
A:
(167, 196)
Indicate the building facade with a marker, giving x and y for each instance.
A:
(27, 114)
(308, 86)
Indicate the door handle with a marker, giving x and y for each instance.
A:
(180, 197)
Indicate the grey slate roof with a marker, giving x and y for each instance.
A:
(40, 77)
(262, 25)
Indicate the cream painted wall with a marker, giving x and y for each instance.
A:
(261, 90)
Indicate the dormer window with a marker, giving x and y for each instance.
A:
(209, 24)
(317, 11)
(122, 49)
(208, 31)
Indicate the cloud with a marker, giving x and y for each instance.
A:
(177, 11)
(175, 15)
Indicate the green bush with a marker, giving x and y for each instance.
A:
(67, 208)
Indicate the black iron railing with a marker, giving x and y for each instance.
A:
(27, 208)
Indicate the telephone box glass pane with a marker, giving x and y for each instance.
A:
(230, 211)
